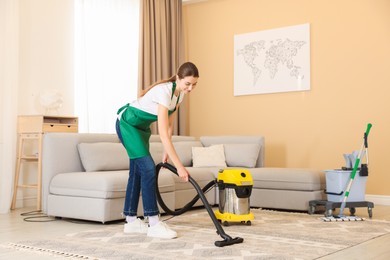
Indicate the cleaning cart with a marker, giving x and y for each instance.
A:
(345, 188)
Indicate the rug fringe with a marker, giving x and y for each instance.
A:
(46, 251)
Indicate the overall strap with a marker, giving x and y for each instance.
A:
(122, 108)
(173, 93)
(173, 89)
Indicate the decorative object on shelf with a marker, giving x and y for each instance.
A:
(51, 100)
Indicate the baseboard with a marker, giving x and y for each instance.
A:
(379, 199)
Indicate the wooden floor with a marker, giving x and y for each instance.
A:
(14, 228)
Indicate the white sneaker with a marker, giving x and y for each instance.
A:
(137, 226)
(161, 230)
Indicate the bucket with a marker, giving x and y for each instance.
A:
(336, 184)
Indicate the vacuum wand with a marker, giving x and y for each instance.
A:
(227, 240)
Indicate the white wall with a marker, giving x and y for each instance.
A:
(46, 53)
(36, 54)
(9, 49)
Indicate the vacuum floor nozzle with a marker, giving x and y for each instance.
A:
(228, 242)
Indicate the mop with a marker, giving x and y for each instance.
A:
(363, 172)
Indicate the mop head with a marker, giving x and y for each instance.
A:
(341, 218)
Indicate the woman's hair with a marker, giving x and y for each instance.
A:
(187, 69)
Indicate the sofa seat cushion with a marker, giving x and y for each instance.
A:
(288, 179)
(105, 185)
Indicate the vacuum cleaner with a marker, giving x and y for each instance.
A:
(227, 240)
(235, 188)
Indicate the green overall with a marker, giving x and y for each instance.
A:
(135, 128)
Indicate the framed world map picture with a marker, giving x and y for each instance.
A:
(272, 61)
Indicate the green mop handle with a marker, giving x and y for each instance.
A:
(366, 135)
(369, 125)
(357, 162)
(356, 166)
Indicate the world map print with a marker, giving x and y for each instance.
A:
(272, 61)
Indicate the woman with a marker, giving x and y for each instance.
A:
(157, 103)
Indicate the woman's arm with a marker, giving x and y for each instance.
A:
(171, 118)
(165, 127)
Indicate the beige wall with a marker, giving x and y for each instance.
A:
(350, 81)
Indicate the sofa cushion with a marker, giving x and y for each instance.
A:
(105, 185)
(241, 155)
(287, 179)
(184, 151)
(103, 156)
(237, 139)
(156, 151)
(212, 156)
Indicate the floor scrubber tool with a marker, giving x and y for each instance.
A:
(363, 172)
(235, 188)
(227, 240)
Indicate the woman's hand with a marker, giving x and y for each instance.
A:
(183, 173)
(165, 157)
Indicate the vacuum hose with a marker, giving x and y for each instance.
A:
(227, 240)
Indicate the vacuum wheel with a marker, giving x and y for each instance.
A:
(225, 223)
(248, 223)
(352, 211)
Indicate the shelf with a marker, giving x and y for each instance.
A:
(44, 124)
(31, 128)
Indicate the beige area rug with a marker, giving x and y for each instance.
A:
(272, 235)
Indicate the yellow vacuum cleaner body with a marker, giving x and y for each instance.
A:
(235, 188)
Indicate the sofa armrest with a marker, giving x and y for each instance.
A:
(60, 155)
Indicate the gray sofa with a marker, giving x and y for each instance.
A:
(84, 176)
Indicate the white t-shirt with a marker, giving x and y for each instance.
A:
(159, 94)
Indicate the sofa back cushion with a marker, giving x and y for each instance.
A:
(241, 155)
(240, 151)
(103, 156)
(183, 149)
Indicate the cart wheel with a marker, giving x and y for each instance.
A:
(328, 213)
(370, 212)
(352, 211)
(225, 223)
(248, 223)
(311, 210)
